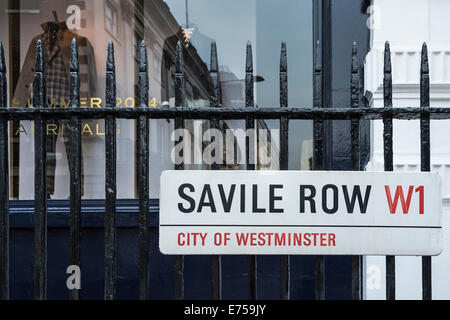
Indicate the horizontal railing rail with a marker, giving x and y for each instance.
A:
(224, 113)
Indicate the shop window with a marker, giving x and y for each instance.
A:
(161, 23)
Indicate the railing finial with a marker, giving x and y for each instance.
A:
(2, 58)
(110, 77)
(354, 82)
(249, 101)
(283, 76)
(179, 76)
(387, 58)
(3, 82)
(110, 62)
(74, 65)
(40, 57)
(143, 65)
(39, 83)
(424, 78)
(387, 78)
(424, 68)
(216, 96)
(74, 68)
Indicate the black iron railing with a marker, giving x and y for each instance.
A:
(40, 114)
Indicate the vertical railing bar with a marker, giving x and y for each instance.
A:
(143, 175)
(318, 133)
(215, 100)
(40, 191)
(250, 159)
(110, 179)
(388, 157)
(425, 155)
(179, 124)
(284, 159)
(355, 156)
(4, 184)
(75, 165)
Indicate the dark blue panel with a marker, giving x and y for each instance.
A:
(302, 278)
(197, 268)
(235, 277)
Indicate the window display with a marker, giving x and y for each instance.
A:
(161, 24)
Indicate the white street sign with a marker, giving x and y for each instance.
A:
(300, 212)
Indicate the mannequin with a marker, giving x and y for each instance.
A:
(57, 41)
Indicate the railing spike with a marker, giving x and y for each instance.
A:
(2, 58)
(214, 62)
(424, 68)
(318, 57)
(354, 82)
(110, 77)
(74, 65)
(216, 96)
(3, 82)
(283, 57)
(179, 76)
(354, 57)
(179, 64)
(387, 79)
(249, 58)
(318, 76)
(424, 78)
(249, 99)
(283, 76)
(39, 84)
(143, 64)
(40, 57)
(143, 75)
(110, 62)
(387, 58)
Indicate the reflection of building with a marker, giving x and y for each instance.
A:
(232, 88)
(197, 81)
(127, 22)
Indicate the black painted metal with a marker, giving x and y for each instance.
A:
(388, 156)
(250, 159)
(4, 184)
(284, 159)
(110, 178)
(215, 101)
(75, 165)
(355, 155)
(178, 280)
(425, 155)
(318, 114)
(40, 191)
(318, 128)
(225, 113)
(143, 175)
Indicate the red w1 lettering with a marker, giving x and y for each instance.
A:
(405, 203)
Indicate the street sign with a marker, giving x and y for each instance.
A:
(300, 212)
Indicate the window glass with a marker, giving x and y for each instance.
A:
(196, 23)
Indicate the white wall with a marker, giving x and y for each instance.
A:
(406, 24)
